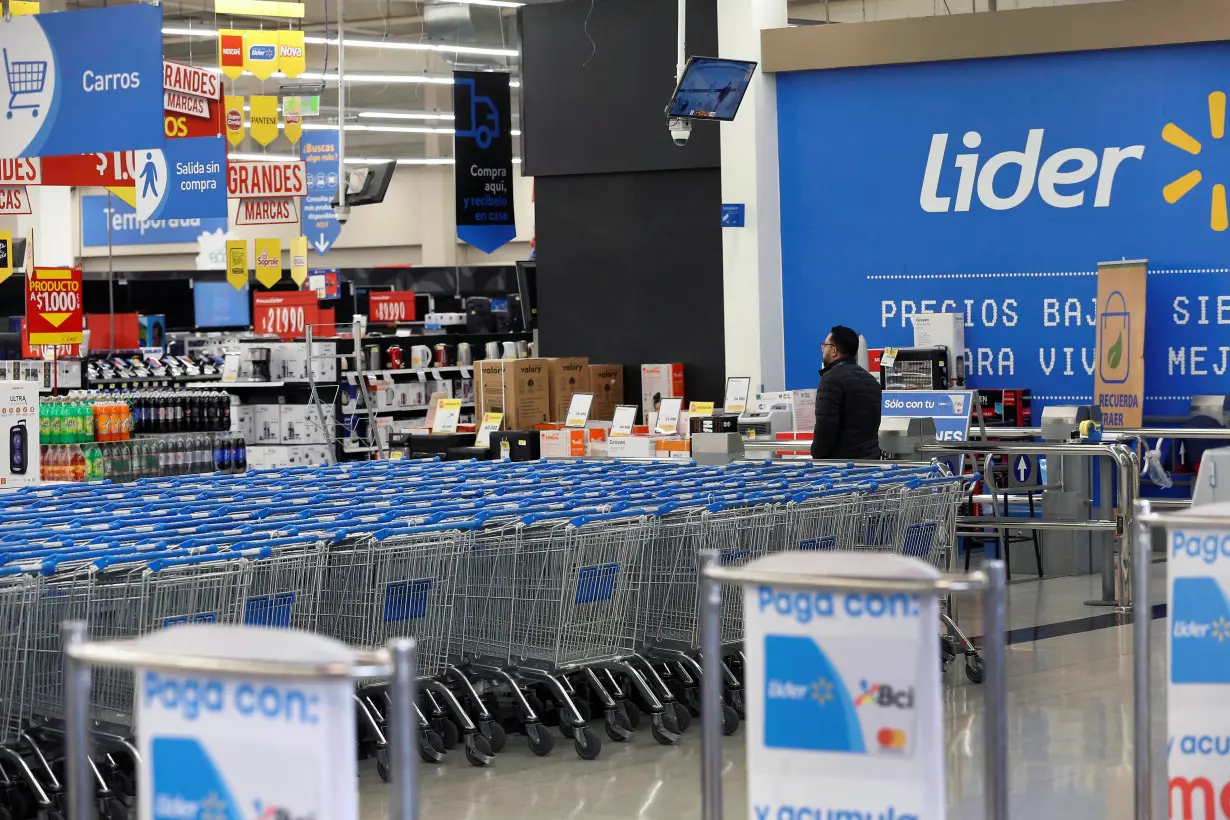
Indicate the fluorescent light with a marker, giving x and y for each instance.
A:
(405, 45)
(352, 160)
(189, 32)
(405, 115)
(258, 8)
(263, 157)
(501, 4)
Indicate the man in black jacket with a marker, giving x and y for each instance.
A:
(847, 403)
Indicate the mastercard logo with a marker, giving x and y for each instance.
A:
(891, 739)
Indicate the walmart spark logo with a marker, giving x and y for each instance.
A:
(822, 691)
(1179, 188)
(1221, 629)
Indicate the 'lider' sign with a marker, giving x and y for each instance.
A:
(53, 306)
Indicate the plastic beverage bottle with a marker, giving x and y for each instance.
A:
(125, 418)
(55, 422)
(93, 462)
(87, 420)
(241, 457)
(76, 463)
(222, 454)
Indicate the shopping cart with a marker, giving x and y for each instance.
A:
(26, 77)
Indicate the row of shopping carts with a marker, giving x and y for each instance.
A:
(539, 593)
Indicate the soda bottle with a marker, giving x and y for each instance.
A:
(56, 423)
(43, 464)
(225, 400)
(241, 457)
(87, 420)
(93, 462)
(44, 421)
(76, 462)
(125, 418)
(222, 454)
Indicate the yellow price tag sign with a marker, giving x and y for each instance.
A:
(700, 408)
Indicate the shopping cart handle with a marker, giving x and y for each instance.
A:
(159, 564)
(136, 555)
(635, 512)
(416, 529)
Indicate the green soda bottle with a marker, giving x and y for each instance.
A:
(56, 431)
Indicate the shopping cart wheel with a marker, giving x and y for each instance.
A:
(478, 750)
(448, 731)
(114, 809)
(618, 727)
(730, 720)
(583, 709)
(633, 712)
(973, 668)
(20, 804)
(431, 748)
(664, 729)
(587, 744)
(382, 764)
(541, 741)
(735, 696)
(495, 734)
(682, 716)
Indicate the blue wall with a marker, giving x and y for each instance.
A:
(858, 247)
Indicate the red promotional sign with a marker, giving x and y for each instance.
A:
(285, 312)
(58, 352)
(20, 172)
(116, 169)
(14, 199)
(266, 179)
(388, 307)
(275, 211)
(186, 79)
(127, 331)
(53, 306)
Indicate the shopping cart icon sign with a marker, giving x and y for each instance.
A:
(26, 78)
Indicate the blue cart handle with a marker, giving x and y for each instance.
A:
(635, 512)
(158, 565)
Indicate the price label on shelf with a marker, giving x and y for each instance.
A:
(448, 412)
(491, 424)
(53, 306)
(388, 307)
(700, 408)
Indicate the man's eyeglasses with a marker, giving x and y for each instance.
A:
(829, 344)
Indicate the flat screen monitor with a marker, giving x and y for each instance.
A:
(710, 89)
(217, 304)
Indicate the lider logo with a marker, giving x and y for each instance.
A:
(1181, 187)
(1199, 632)
(262, 53)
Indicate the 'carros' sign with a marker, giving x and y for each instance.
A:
(994, 191)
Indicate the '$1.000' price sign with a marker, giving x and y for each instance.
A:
(285, 313)
(391, 306)
(53, 306)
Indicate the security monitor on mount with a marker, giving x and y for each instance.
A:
(709, 89)
(368, 184)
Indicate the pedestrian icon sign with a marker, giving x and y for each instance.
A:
(149, 175)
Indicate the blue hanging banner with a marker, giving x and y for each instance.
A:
(82, 82)
(483, 166)
(126, 229)
(994, 189)
(320, 154)
(186, 178)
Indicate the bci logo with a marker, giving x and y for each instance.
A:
(262, 53)
(1064, 178)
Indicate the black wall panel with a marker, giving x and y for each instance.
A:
(630, 272)
(598, 108)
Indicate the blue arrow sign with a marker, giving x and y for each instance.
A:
(1022, 467)
(320, 224)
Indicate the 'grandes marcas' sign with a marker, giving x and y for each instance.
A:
(266, 179)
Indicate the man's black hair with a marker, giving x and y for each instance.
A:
(845, 340)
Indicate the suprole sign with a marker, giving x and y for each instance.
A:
(1063, 180)
(266, 179)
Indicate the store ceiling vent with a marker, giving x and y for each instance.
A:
(463, 24)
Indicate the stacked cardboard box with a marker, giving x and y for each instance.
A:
(568, 376)
(518, 388)
(606, 381)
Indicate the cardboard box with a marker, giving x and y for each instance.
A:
(245, 421)
(518, 388)
(20, 463)
(606, 382)
(660, 381)
(566, 377)
(300, 424)
(267, 419)
(632, 447)
(562, 443)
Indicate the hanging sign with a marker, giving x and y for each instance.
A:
(260, 53)
(293, 126)
(292, 55)
(320, 155)
(388, 307)
(14, 199)
(6, 255)
(1119, 384)
(107, 221)
(82, 82)
(284, 312)
(272, 211)
(230, 52)
(482, 146)
(298, 260)
(844, 705)
(186, 179)
(268, 261)
(263, 118)
(237, 263)
(266, 179)
(234, 119)
(188, 90)
(53, 306)
(21, 171)
(248, 746)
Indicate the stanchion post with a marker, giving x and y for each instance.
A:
(77, 723)
(1142, 559)
(710, 602)
(403, 743)
(995, 691)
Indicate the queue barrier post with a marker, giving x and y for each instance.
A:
(990, 581)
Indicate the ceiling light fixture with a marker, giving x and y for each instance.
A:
(352, 160)
(500, 4)
(406, 115)
(403, 45)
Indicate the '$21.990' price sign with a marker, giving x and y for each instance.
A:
(53, 306)
(285, 313)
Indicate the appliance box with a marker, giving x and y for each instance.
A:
(20, 463)
(267, 419)
(659, 381)
(566, 377)
(606, 382)
(519, 388)
(916, 369)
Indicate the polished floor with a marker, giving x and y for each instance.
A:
(1069, 724)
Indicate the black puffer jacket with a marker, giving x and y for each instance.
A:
(847, 413)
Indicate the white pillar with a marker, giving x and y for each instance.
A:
(752, 255)
(54, 221)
